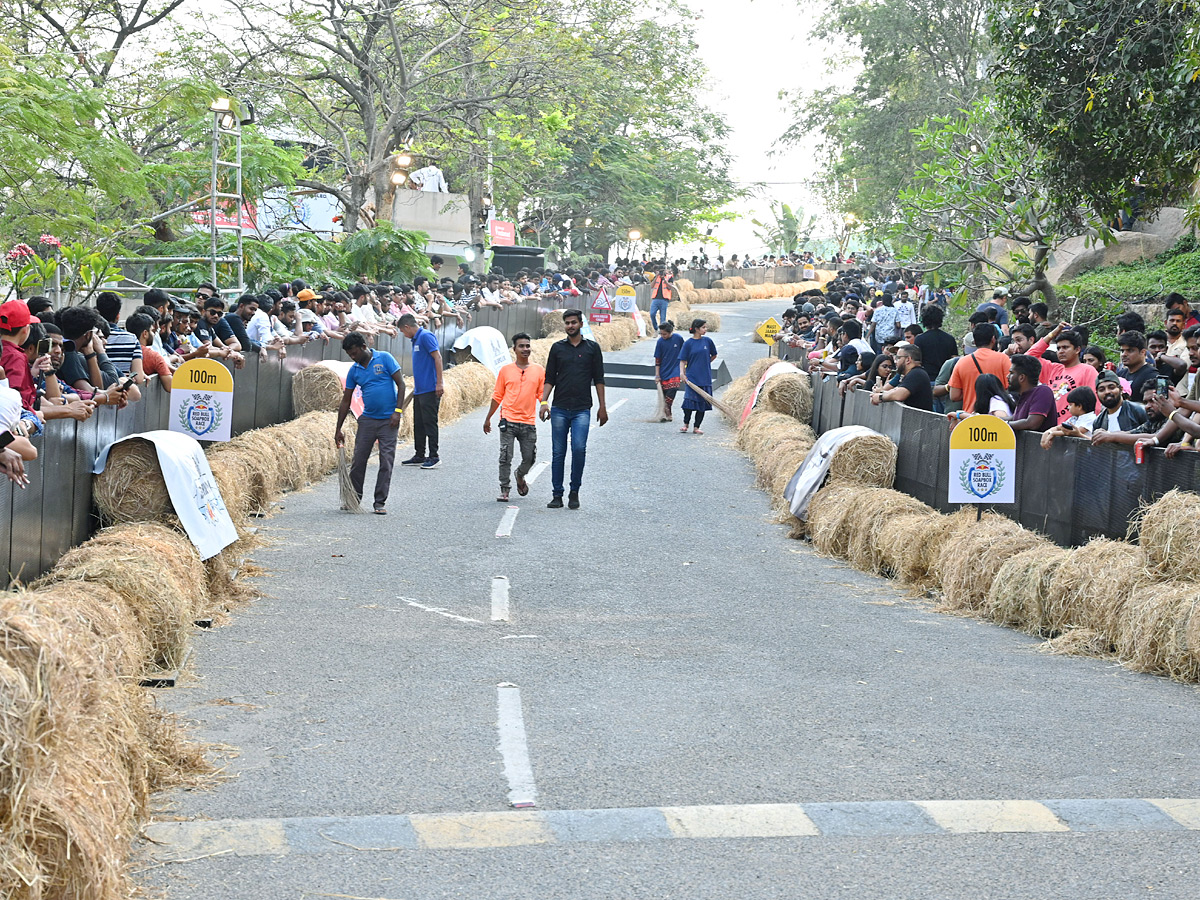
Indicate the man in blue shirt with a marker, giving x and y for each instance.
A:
(666, 364)
(378, 375)
(427, 391)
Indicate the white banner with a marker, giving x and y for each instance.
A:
(487, 345)
(192, 489)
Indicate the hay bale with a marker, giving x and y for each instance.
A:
(868, 460)
(682, 284)
(1169, 532)
(909, 547)
(1092, 585)
(721, 284)
(759, 367)
(972, 553)
(831, 519)
(316, 387)
(73, 738)
(875, 509)
(789, 394)
(467, 387)
(785, 457)
(552, 323)
(764, 429)
(1158, 630)
(736, 395)
(131, 487)
(735, 281)
(1022, 590)
(163, 607)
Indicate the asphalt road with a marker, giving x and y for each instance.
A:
(696, 705)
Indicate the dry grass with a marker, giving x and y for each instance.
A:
(831, 519)
(1159, 630)
(972, 553)
(789, 394)
(868, 460)
(131, 487)
(909, 547)
(315, 388)
(765, 429)
(683, 317)
(1169, 532)
(736, 395)
(875, 510)
(1092, 586)
(1022, 592)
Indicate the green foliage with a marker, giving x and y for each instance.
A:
(1147, 281)
(920, 59)
(788, 231)
(982, 184)
(385, 253)
(1106, 91)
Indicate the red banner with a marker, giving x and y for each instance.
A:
(227, 216)
(504, 234)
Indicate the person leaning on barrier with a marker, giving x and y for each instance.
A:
(1156, 430)
(1036, 407)
(1082, 405)
(1180, 413)
(915, 388)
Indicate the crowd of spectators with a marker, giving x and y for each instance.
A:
(886, 337)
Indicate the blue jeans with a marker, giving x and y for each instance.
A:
(658, 312)
(577, 421)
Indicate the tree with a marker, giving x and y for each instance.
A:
(787, 232)
(920, 59)
(982, 185)
(1107, 91)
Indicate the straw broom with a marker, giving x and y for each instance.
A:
(708, 398)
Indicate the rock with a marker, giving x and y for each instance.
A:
(1074, 256)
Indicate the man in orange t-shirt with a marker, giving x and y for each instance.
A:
(984, 361)
(518, 389)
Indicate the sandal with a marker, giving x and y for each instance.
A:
(522, 486)
(503, 498)
(683, 430)
(697, 431)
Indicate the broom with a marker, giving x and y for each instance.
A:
(660, 411)
(709, 398)
(350, 499)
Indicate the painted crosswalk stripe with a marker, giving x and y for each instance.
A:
(514, 750)
(619, 404)
(500, 599)
(189, 841)
(536, 471)
(507, 521)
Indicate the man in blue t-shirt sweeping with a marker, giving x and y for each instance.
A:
(427, 391)
(378, 375)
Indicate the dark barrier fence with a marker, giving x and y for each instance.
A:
(40, 523)
(1071, 492)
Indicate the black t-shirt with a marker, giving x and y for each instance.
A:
(920, 389)
(572, 370)
(74, 368)
(237, 328)
(1138, 379)
(936, 347)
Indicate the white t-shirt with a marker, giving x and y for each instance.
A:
(905, 314)
(364, 313)
(998, 407)
(431, 179)
(258, 329)
(1082, 423)
(10, 406)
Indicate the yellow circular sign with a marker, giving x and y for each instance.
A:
(983, 433)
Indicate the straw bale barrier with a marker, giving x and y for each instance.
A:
(1092, 585)
(764, 429)
(790, 394)
(973, 553)
(131, 487)
(467, 387)
(737, 394)
(552, 323)
(82, 745)
(909, 547)
(683, 317)
(1169, 530)
(1022, 592)
(683, 284)
(831, 518)
(875, 509)
(1158, 630)
(316, 387)
(868, 460)
(158, 576)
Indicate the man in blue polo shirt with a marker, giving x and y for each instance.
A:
(427, 391)
(378, 375)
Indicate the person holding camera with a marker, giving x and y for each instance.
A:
(518, 389)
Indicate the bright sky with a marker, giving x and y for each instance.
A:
(754, 50)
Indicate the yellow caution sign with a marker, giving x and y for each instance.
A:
(768, 329)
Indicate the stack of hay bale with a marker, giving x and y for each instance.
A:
(1140, 603)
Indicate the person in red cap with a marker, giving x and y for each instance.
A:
(14, 330)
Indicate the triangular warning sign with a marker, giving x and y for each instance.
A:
(602, 301)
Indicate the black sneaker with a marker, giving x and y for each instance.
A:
(431, 463)
(573, 500)
(556, 503)
(414, 461)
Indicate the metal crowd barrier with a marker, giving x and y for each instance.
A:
(40, 523)
(1071, 492)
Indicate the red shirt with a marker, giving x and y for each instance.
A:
(16, 370)
(153, 363)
